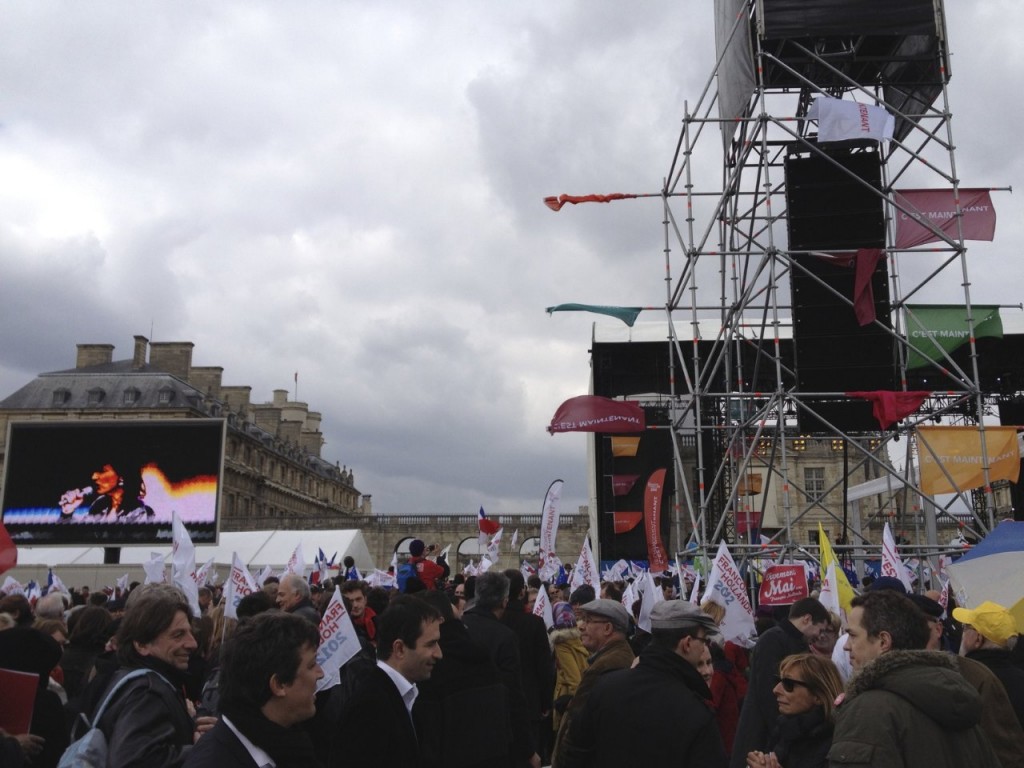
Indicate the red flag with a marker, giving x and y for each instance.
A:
(555, 203)
(889, 407)
(8, 551)
(623, 522)
(938, 208)
(863, 294)
(487, 525)
(590, 413)
(656, 556)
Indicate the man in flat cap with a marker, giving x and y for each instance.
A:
(662, 703)
(604, 625)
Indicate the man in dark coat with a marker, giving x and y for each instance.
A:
(269, 674)
(483, 620)
(534, 652)
(148, 723)
(603, 630)
(904, 707)
(658, 712)
(293, 596)
(807, 617)
(461, 714)
(376, 725)
(988, 630)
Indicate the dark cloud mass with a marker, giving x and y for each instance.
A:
(352, 190)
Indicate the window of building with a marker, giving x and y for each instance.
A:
(814, 482)
(61, 397)
(165, 396)
(131, 396)
(96, 396)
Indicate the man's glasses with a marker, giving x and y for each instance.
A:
(703, 638)
(789, 684)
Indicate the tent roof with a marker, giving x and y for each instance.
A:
(253, 547)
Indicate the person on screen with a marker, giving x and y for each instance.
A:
(113, 495)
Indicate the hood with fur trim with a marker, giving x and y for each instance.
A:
(929, 680)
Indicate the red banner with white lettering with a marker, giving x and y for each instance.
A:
(656, 555)
(937, 207)
(783, 585)
(590, 413)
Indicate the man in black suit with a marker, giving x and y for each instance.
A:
(376, 726)
(268, 682)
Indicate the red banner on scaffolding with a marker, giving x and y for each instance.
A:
(656, 555)
(590, 413)
(937, 207)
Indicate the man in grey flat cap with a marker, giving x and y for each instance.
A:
(662, 703)
(604, 626)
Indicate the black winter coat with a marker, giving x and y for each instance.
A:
(802, 741)
(656, 714)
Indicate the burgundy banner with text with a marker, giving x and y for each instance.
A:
(783, 585)
(590, 413)
(658, 559)
(938, 208)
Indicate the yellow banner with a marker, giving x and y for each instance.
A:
(957, 450)
(842, 583)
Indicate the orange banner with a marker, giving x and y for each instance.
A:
(957, 451)
(625, 446)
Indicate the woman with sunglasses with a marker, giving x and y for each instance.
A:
(806, 690)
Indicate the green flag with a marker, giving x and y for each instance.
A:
(625, 314)
(944, 326)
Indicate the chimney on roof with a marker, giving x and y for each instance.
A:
(173, 357)
(139, 357)
(94, 354)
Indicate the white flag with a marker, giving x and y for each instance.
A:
(494, 548)
(549, 526)
(338, 641)
(892, 565)
(725, 586)
(515, 540)
(628, 598)
(296, 563)
(649, 598)
(380, 578)
(829, 594)
(695, 592)
(839, 120)
(203, 573)
(183, 563)
(484, 566)
(12, 587)
(542, 608)
(262, 576)
(444, 553)
(240, 584)
(122, 584)
(156, 573)
(54, 584)
(587, 567)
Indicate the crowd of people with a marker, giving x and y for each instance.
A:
(457, 671)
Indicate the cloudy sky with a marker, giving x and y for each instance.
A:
(353, 191)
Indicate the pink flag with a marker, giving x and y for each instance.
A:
(783, 585)
(937, 207)
(591, 413)
(549, 527)
(623, 484)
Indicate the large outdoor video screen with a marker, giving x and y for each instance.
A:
(107, 483)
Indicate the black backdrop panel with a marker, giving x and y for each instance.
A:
(655, 452)
(829, 208)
